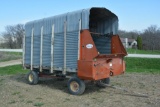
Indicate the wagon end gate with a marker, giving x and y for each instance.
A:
(93, 65)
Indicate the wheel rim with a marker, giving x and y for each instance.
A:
(74, 86)
(30, 77)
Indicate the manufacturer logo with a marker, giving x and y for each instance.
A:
(89, 46)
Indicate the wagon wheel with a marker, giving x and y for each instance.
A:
(103, 83)
(76, 86)
(32, 78)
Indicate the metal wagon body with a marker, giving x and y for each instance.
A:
(83, 42)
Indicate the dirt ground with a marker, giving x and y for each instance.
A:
(12, 62)
(128, 90)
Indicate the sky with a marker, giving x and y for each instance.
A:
(132, 14)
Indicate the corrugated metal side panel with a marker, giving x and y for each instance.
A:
(36, 42)
(73, 21)
(28, 32)
(46, 56)
(85, 18)
(103, 44)
(59, 23)
(28, 50)
(58, 54)
(72, 49)
(72, 39)
(58, 47)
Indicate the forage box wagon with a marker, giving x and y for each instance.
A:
(82, 45)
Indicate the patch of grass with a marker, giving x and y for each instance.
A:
(150, 65)
(15, 93)
(22, 100)
(14, 69)
(87, 104)
(117, 84)
(94, 98)
(29, 101)
(14, 53)
(38, 104)
(132, 65)
(66, 100)
(12, 102)
(1, 80)
(21, 96)
(141, 85)
(136, 51)
(39, 98)
(7, 56)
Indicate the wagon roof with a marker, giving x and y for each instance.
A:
(72, 19)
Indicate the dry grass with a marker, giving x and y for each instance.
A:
(7, 56)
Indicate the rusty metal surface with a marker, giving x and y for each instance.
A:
(95, 66)
(117, 46)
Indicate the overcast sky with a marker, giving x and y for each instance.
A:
(133, 14)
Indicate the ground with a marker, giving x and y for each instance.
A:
(128, 90)
(11, 62)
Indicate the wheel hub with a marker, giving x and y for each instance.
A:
(74, 86)
(30, 77)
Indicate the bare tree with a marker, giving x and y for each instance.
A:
(13, 36)
(131, 34)
(151, 37)
(19, 29)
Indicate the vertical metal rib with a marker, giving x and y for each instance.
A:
(79, 39)
(65, 29)
(41, 51)
(52, 44)
(32, 49)
(24, 49)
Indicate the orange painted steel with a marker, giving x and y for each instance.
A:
(95, 66)
(85, 53)
(117, 46)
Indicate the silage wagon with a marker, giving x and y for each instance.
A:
(82, 45)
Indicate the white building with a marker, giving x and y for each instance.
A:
(129, 43)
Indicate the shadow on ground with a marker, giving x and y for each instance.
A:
(54, 83)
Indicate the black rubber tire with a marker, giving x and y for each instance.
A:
(76, 81)
(32, 78)
(103, 83)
